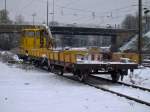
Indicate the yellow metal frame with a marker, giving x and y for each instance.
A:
(31, 44)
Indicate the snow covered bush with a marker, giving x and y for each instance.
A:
(6, 56)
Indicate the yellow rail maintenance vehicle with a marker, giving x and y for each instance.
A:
(38, 46)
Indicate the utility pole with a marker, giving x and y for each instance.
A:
(5, 13)
(33, 15)
(140, 31)
(146, 11)
(53, 11)
(47, 12)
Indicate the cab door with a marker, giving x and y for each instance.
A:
(37, 39)
(30, 39)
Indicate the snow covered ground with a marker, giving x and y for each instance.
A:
(33, 90)
(140, 77)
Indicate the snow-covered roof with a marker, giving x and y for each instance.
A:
(131, 44)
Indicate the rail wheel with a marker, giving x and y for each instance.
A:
(82, 76)
(36, 63)
(60, 72)
(115, 76)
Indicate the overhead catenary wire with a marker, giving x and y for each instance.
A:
(71, 2)
(27, 5)
(79, 12)
(111, 16)
(91, 11)
(95, 14)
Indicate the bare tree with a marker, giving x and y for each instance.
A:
(4, 18)
(53, 23)
(130, 22)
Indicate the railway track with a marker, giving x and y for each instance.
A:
(122, 83)
(106, 81)
(146, 63)
(108, 90)
(112, 91)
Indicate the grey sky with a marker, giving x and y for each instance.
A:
(100, 12)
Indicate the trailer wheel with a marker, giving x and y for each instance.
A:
(36, 63)
(60, 72)
(82, 76)
(115, 76)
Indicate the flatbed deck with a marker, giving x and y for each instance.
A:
(100, 64)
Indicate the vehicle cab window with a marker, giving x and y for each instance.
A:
(29, 34)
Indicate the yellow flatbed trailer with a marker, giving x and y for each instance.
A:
(37, 46)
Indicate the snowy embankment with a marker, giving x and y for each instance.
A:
(24, 90)
(6, 56)
(140, 77)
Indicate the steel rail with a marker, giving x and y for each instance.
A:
(107, 90)
(122, 83)
(119, 94)
(110, 91)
